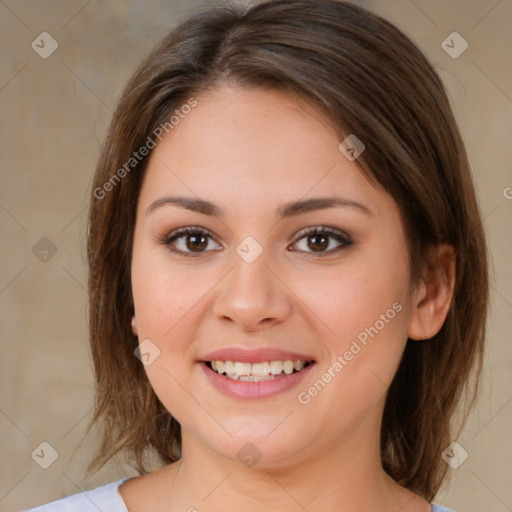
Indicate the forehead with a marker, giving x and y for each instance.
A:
(238, 143)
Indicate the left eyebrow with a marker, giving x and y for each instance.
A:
(286, 210)
(320, 203)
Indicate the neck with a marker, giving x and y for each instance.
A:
(343, 475)
(345, 478)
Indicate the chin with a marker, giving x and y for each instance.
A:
(258, 449)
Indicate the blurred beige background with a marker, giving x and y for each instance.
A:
(54, 113)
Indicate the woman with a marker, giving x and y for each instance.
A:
(288, 276)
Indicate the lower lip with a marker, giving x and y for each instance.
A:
(246, 390)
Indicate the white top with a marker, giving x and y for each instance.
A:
(102, 499)
(108, 499)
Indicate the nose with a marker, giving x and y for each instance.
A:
(252, 297)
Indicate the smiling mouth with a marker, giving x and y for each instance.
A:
(257, 372)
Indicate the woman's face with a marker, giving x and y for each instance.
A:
(292, 256)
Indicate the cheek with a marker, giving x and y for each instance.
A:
(364, 302)
(355, 295)
(169, 303)
(162, 293)
(367, 311)
(164, 303)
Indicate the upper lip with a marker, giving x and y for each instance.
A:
(259, 355)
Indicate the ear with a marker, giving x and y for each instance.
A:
(433, 297)
(134, 326)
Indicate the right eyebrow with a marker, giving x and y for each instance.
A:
(190, 203)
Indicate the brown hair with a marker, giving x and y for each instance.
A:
(369, 79)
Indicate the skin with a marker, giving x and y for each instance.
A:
(249, 151)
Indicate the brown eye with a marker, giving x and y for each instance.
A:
(322, 241)
(191, 241)
(318, 242)
(196, 243)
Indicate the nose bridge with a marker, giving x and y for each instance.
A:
(250, 272)
(252, 296)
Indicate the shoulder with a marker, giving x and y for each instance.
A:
(106, 497)
(438, 508)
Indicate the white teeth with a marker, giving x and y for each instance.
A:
(242, 369)
(276, 367)
(298, 365)
(288, 367)
(260, 369)
(253, 378)
(257, 371)
(229, 367)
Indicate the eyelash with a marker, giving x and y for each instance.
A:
(341, 237)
